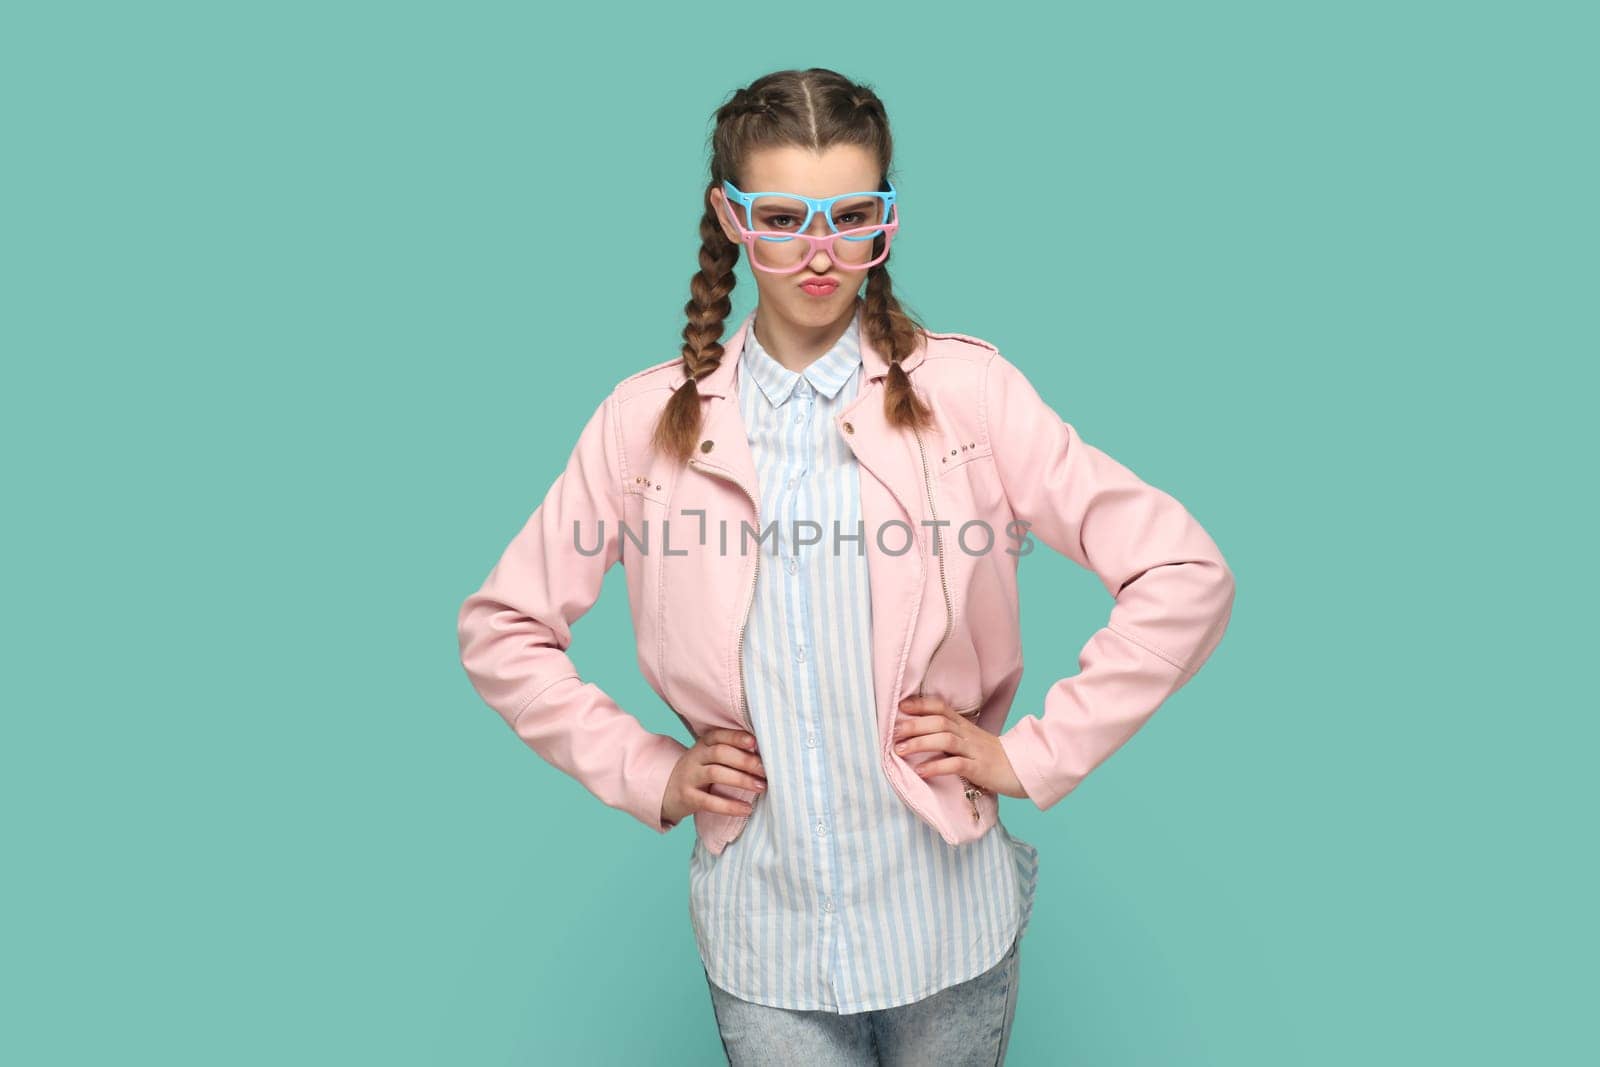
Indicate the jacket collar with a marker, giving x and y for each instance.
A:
(720, 382)
(893, 458)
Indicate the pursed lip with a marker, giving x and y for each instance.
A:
(832, 283)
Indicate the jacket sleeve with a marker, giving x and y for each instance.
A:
(515, 630)
(1173, 590)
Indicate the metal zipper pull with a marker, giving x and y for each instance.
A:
(973, 793)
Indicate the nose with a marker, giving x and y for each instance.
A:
(819, 261)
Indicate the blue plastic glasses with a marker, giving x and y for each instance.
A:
(785, 248)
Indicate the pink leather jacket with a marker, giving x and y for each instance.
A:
(1000, 462)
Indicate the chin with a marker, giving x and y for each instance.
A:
(821, 312)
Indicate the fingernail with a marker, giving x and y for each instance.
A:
(900, 748)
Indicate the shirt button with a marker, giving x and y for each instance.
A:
(800, 654)
(794, 564)
(811, 740)
(827, 903)
(791, 483)
(799, 419)
(822, 827)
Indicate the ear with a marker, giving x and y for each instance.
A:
(719, 203)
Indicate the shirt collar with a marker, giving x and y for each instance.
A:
(826, 375)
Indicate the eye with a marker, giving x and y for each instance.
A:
(844, 222)
(778, 222)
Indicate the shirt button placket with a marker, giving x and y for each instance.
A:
(815, 773)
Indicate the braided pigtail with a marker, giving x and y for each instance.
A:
(708, 309)
(896, 334)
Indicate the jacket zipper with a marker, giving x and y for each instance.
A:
(972, 791)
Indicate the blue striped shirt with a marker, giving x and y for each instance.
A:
(835, 896)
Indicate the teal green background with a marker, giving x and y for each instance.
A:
(304, 305)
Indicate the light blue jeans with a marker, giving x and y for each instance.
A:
(966, 1025)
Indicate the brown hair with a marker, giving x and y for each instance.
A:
(815, 109)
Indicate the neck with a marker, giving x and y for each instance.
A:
(797, 345)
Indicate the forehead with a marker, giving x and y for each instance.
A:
(838, 169)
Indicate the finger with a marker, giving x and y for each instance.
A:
(738, 738)
(943, 741)
(728, 776)
(934, 716)
(949, 765)
(730, 756)
(721, 805)
(913, 724)
(907, 745)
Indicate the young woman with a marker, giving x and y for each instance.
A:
(846, 680)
